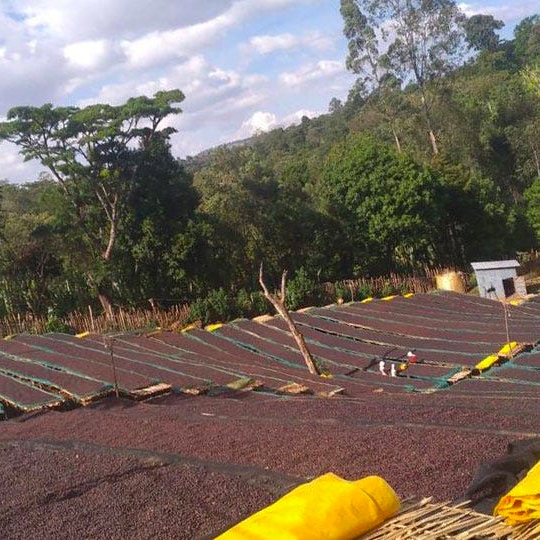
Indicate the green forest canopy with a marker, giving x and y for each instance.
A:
(431, 160)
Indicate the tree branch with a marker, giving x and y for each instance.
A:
(279, 305)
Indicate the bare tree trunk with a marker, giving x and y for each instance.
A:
(106, 305)
(279, 305)
(433, 141)
(427, 115)
(112, 239)
(536, 160)
(396, 138)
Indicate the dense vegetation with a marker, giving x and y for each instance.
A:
(432, 160)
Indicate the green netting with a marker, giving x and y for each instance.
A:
(187, 361)
(29, 406)
(123, 369)
(438, 382)
(498, 373)
(39, 382)
(51, 365)
(389, 344)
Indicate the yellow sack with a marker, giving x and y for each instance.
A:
(522, 502)
(328, 508)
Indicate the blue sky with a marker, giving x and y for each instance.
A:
(244, 65)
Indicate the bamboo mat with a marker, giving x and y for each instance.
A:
(425, 520)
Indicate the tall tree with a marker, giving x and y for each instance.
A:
(527, 40)
(480, 32)
(94, 154)
(417, 41)
(366, 60)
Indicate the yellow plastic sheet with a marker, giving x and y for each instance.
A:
(190, 327)
(508, 348)
(328, 508)
(388, 298)
(487, 362)
(213, 327)
(522, 503)
(367, 300)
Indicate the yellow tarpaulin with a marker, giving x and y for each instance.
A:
(522, 503)
(190, 327)
(487, 362)
(213, 327)
(328, 508)
(508, 348)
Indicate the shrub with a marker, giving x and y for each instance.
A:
(364, 291)
(301, 290)
(388, 289)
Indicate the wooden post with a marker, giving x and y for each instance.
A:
(279, 304)
(110, 346)
(510, 352)
(93, 326)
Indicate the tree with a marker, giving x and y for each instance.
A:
(365, 59)
(417, 41)
(527, 40)
(94, 154)
(532, 198)
(160, 206)
(480, 32)
(34, 252)
(386, 204)
(335, 106)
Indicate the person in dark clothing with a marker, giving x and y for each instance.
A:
(496, 478)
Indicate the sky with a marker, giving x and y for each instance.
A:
(245, 66)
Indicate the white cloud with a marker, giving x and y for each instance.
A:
(88, 19)
(312, 72)
(91, 51)
(87, 55)
(296, 116)
(265, 44)
(161, 46)
(508, 12)
(13, 167)
(258, 122)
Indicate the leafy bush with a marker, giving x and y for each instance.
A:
(342, 292)
(55, 324)
(217, 306)
(220, 304)
(364, 291)
(301, 291)
(388, 289)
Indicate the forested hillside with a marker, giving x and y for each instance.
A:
(433, 159)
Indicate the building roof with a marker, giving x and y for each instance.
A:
(494, 265)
